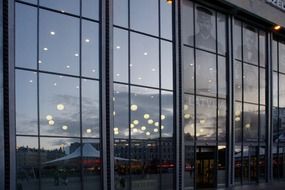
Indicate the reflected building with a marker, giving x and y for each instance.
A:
(141, 94)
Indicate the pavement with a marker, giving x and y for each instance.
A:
(263, 186)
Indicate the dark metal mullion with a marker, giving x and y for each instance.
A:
(195, 96)
(159, 98)
(38, 94)
(80, 97)
(259, 129)
(230, 105)
(278, 106)
(217, 103)
(129, 95)
(242, 105)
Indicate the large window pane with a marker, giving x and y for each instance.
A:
(250, 44)
(59, 105)
(238, 121)
(206, 118)
(188, 108)
(70, 6)
(59, 43)
(26, 36)
(205, 34)
(26, 108)
(144, 60)
(90, 108)
(206, 73)
(188, 66)
(144, 16)
(222, 77)
(60, 163)
(90, 9)
(90, 49)
(27, 159)
(250, 122)
(121, 49)
(188, 30)
(221, 33)
(166, 65)
(282, 57)
(222, 120)
(250, 78)
(120, 11)
(166, 19)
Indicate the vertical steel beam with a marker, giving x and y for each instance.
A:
(230, 103)
(106, 94)
(269, 107)
(178, 96)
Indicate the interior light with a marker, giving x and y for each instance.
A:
(155, 130)
(31, 81)
(65, 127)
(118, 74)
(143, 128)
(153, 69)
(146, 116)
(93, 70)
(247, 125)
(116, 129)
(135, 130)
(191, 64)
(147, 133)
(140, 78)
(116, 132)
(156, 124)
(210, 80)
(49, 117)
(237, 119)
(201, 130)
(87, 40)
(145, 53)
(237, 113)
(185, 107)
(67, 66)
(132, 125)
(114, 113)
(169, 1)
(60, 107)
(187, 116)
(134, 107)
(45, 49)
(77, 87)
(162, 127)
(277, 27)
(136, 122)
(118, 47)
(202, 121)
(162, 117)
(150, 121)
(51, 122)
(52, 33)
(76, 54)
(210, 68)
(54, 84)
(88, 130)
(40, 61)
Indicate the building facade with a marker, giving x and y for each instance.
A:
(141, 94)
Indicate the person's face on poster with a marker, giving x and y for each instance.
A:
(205, 23)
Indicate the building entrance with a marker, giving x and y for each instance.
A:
(205, 165)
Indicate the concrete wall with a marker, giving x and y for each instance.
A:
(262, 9)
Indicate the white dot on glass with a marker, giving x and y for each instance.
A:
(31, 81)
(67, 66)
(45, 49)
(93, 70)
(153, 69)
(54, 84)
(65, 127)
(60, 107)
(87, 40)
(118, 47)
(88, 130)
(145, 53)
(40, 61)
(76, 54)
(52, 33)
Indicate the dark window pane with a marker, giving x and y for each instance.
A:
(27, 159)
(90, 49)
(26, 103)
(238, 121)
(206, 118)
(144, 135)
(144, 16)
(222, 165)
(205, 34)
(222, 120)
(250, 122)
(166, 19)
(281, 90)
(274, 54)
(59, 105)
(262, 123)
(206, 73)
(59, 43)
(90, 9)
(262, 86)
(26, 36)
(144, 60)
(120, 11)
(188, 63)
(250, 82)
(250, 44)
(262, 48)
(238, 165)
(120, 55)
(167, 152)
(222, 80)
(90, 108)
(237, 39)
(189, 117)
(187, 22)
(60, 163)
(166, 65)
(238, 80)
(221, 32)
(69, 6)
(91, 164)
(282, 57)
(275, 89)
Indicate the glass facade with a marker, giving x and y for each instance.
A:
(192, 91)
